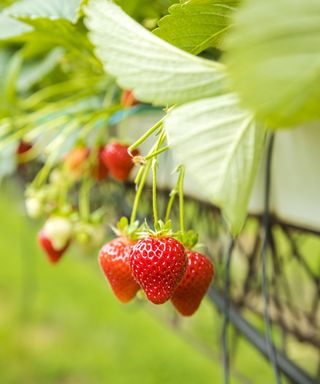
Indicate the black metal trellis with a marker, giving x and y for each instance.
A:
(289, 369)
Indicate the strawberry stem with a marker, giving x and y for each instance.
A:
(173, 194)
(181, 197)
(142, 179)
(145, 136)
(84, 208)
(154, 193)
(156, 153)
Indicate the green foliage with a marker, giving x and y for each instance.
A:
(273, 57)
(158, 72)
(10, 28)
(53, 9)
(220, 144)
(145, 10)
(196, 25)
(57, 91)
(35, 70)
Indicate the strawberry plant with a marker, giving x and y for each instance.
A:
(221, 76)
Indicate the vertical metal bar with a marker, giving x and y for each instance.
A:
(225, 349)
(265, 289)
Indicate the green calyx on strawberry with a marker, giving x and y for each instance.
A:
(117, 159)
(126, 229)
(194, 285)
(55, 237)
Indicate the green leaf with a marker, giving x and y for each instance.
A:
(8, 160)
(53, 9)
(10, 28)
(274, 59)
(34, 71)
(157, 71)
(5, 56)
(196, 25)
(220, 145)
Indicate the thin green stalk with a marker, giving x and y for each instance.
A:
(181, 197)
(156, 153)
(143, 178)
(154, 193)
(84, 208)
(146, 135)
(173, 194)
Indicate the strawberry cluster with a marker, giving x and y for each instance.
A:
(61, 229)
(161, 267)
(113, 159)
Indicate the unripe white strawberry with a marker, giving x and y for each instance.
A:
(58, 230)
(34, 207)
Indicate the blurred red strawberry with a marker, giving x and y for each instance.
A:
(99, 171)
(128, 99)
(116, 157)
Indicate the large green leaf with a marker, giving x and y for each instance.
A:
(53, 9)
(274, 59)
(196, 25)
(220, 144)
(52, 19)
(157, 71)
(10, 28)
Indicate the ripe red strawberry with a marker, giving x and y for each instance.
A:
(53, 254)
(128, 99)
(116, 157)
(158, 264)
(195, 283)
(115, 263)
(23, 147)
(75, 160)
(99, 171)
